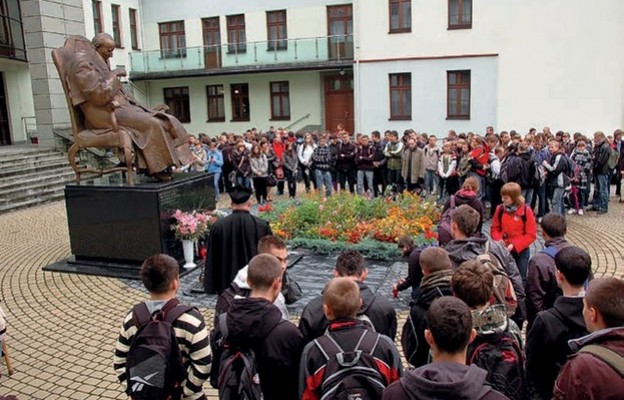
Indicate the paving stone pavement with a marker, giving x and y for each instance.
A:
(62, 327)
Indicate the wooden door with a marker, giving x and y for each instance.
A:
(5, 130)
(339, 102)
(212, 42)
(340, 31)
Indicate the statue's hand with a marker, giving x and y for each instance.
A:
(120, 72)
(161, 108)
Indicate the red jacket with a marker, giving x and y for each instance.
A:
(278, 149)
(515, 228)
(481, 154)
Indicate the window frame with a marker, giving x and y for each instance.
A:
(98, 21)
(116, 20)
(400, 29)
(236, 24)
(178, 35)
(220, 105)
(400, 88)
(461, 24)
(458, 86)
(280, 94)
(239, 98)
(278, 43)
(173, 100)
(134, 32)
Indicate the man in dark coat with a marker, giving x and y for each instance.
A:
(233, 242)
(375, 309)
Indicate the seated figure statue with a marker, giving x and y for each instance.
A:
(160, 141)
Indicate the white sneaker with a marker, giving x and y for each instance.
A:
(580, 212)
(571, 211)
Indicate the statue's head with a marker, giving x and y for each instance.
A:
(104, 44)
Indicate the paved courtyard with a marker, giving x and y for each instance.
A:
(63, 326)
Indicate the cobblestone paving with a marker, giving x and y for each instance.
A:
(63, 327)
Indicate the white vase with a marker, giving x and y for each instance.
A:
(189, 251)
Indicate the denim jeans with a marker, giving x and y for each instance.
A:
(522, 260)
(324, 178)
(541, 197)
(431, 181)
(601, 192)
(243, 181)
(528, 195)
(557, 201)
(361, 174)
(216, 179)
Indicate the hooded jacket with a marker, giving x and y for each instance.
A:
(547, 343)
(415, 348)
(379, 310)
(468, 249)
(464, 196)
(257, 324)
(443, 381)
(585, 376)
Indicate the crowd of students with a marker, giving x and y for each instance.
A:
(555, 172)
(462, 335)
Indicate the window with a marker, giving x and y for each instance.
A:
(400, 16)
(177, 99)
(172, 39)
(237, 42)
(116, 28)
(240, 102)
(216, 108)
(401, 96)
(276, 30)
(97, 17)
(280, 100)
(340, 31)
(134, 37)
(460, 14)
(458, 95)
(12, 43)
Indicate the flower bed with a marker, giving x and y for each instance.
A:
(371, 226)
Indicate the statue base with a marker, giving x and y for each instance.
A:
(113, 227)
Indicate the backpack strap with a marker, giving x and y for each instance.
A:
(368, 342)
(327, 339)
(452, 202)
(140, 315)
(223, 326)
(499, 214)
(608, 356)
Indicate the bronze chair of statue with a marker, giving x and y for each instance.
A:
(114, 137)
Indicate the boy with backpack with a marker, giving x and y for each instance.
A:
(163, 351)
(261, 350)
(349, 360)
(547, 341)
(448, 377)
(498, 345)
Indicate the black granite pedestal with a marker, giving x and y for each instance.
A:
(113, 227)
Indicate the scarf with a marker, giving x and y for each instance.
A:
(437, 279)
(491, 320)
(512, 208)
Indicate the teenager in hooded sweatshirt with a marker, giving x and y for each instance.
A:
(448, 377)
(468, 194)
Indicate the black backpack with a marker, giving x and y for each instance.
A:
(444, 227)
(501, 356)
(351, 374)
(238, 372)
(154, 364)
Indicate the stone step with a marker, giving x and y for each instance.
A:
(34, 189)
(26, 160)
(64, 174)
(31, 202)
(42, 167)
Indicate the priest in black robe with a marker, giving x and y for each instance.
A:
(233, 242)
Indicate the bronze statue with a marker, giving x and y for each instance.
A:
(105, 116)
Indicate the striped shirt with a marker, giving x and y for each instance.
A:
(192, 335)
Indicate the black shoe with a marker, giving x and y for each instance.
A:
(602, 212)
(593, 209)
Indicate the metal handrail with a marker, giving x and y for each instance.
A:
(297, 121)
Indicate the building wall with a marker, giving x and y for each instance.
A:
(120, 56)
(305, 97)
(558, 62)
(428, 95)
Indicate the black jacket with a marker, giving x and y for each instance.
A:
(378, 309)
(414, 271)
(277, 344)
(415, 348)
(443, 381)
(541, 286)
(547, 343)
(601, 156)
(346, 157)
